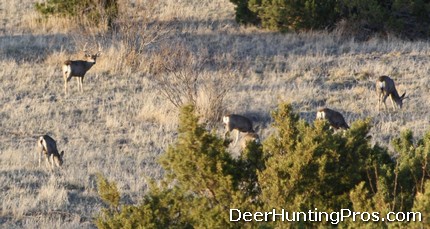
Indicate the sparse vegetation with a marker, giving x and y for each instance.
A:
(122, 124)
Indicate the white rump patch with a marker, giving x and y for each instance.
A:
(67, 68)
(381, 84)
(42, 143)
(320, 115)
(225, 119)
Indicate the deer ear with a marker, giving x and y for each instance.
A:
(403, 96)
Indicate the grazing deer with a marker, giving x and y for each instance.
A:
(48, 147)
(78, 68)
(385, 87)
(249, 137)
(335, 118)
(238, 123)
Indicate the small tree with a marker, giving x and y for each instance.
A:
(243, 14)
(413, 168)
(96, 11)
(311, 167)
(202, 183)
(406, 18)
(422, 205)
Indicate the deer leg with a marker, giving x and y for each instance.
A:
(57, 164)
(237, 138)
(66, 80)
(47, 160)
(52, 161)
(383, 100)
(81, 81)
(379, 102)
(65, 87)
(227, 131)
(392, 102)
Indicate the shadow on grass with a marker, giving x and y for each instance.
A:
(26, 179)
(31, 48)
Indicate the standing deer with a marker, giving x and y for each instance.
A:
(238, 123)
(249, 137)
(335, 118)
(385, 87)
(78, 68)
(48, 147)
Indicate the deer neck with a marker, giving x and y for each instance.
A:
(89, 64)
(395, 95)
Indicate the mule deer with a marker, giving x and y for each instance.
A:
(385, 87)
(78, 68)
(335, 118)
(48, 147)
(249, 137)
(238, 123)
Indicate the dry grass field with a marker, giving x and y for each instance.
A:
(121, 124)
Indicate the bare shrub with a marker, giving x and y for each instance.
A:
(357, 29)
(136, 29)
(183, 77)
(175, 71)
(215, 86)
